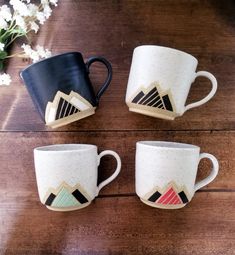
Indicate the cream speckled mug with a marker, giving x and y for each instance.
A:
(166, 173)
(160, 79)
(67, 175)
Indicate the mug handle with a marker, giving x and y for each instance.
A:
(213, 174)
(116, 172)
(213, 80)
(109, 77)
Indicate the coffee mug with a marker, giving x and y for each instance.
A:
(159, 82)
(61, 89)
(67, 175)
(166, 173)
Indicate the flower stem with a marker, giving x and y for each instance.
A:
(13, 39)
(18, 54)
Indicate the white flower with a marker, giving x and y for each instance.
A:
(43, 53)
(47, 53)
(3, 23)
(47, 2)
(27, 49)
(5, 12)
(34, 56)
(2, 45)
(34, 26)
(44, 2)
(5, 79)
(54, 2)
(40, 51)
(33, 9)
(37, 54)
(41, 18)
(20, 22)
(20, 7)
(47, 11)
(29, 52)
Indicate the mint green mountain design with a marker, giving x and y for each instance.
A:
(64, 199)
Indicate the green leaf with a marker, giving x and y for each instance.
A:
(2, 31)
(1, 65)
(3, 54)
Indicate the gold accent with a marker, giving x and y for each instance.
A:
(153, 111)
(71, 118)
(69, 188)
(177, 206)
(66, 209)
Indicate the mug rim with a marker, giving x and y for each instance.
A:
(65, 148)
(166, 145)
(45, 59)
(167, 48)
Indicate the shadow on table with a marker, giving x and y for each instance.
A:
(226, 10)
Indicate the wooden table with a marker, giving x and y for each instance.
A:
(117, 222)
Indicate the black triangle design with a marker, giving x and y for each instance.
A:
(79, 196)
(153, 99)
(65, 109)
(50, 199)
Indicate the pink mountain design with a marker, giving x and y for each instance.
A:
(170, 197)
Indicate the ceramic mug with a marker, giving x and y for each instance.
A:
(61, 89)
(160, 79)
(166, 173)
(67, 175)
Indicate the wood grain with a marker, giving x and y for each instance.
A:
(121, 225)
(113, 29)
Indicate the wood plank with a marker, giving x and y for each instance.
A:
(121, 225)
(17, 169)
(122, 26)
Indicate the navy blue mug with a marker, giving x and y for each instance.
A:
(61, 89)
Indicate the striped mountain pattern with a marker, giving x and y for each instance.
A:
(64, 106)
(154, 97)
(170, 195)
(66, 196)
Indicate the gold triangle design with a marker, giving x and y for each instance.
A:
(85, 109)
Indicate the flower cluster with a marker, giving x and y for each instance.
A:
(24, 16)
(5, 79)
(18, 19)
(37, 54)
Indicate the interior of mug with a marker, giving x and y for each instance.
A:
(166, 49)
(65, 147)
(168, 145)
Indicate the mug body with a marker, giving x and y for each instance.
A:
(166, 173)
(66, 175)
(60, 88)
(159, 81)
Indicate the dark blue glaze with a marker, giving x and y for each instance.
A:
(66, 72)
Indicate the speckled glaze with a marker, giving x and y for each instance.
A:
(173, 71)
(70, 166)
(164, 165)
